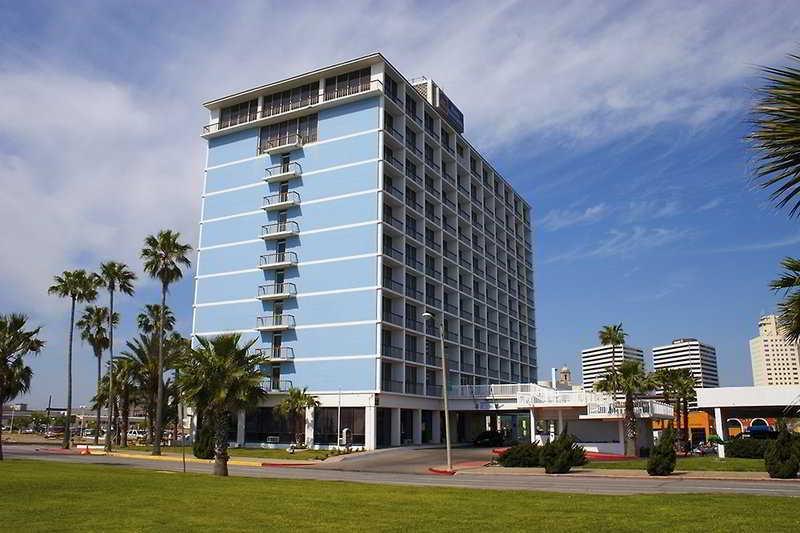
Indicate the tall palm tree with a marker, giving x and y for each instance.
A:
(666, 379)
(613, 335)
(164, 257)
(140, 355)
(16, 342)
(125, 393)
(294, 408)
(114, 276)
(631, 380)
(684, 393)
(148, 320)
(789, 308)
(79, 286)
(93, 327)
(225, 376)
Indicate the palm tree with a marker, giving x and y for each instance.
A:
(141, 357)
(163, 256)
(613, 335)
(666, 379)
(226, 378)
(149, 319)
(78, 286)
(789, 308)
(15, 343)
(294, 408)
(684, 393)
(114, 276)
(631, 380)
(92, 326)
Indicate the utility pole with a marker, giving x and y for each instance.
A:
(440, 324)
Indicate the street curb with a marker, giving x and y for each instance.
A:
(673, 477)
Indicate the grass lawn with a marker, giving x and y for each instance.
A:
(708, 463)
(50, 496)
(299, 455)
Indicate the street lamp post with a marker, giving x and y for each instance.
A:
(440, 324)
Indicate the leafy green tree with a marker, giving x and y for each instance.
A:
(164, 258)
(79, 286)
(16, 342)
(781, 457)
(614, 336)
(114, 276)
(560, 455)
(293, 407)
(630, 380)
(684, 390)
(93, 328)
(148, 320)
(666, 379)
(663, 458)
(226, 377)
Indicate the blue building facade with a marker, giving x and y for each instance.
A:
(338, 206)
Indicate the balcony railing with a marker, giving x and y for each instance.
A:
(467, 367)
(282, 172)
(450, 308)
(275, 322)
(392, 221)
(432, 360)
(414, 263)
(414, 150)
(282, 144)
(392, 285)
(281, 200)
(277, 230)
(277, 260)
(394, 133)
(414, 324)
(239, 118)
(270, 384)
(392, 318)
(275, 291)
(414, 388)
(414, 356)
(391, 386)
(292, 104)
(433, 301)
(392, 160)
(387, 350)
(355, 87)
(394, 191)
(276, 352)
(394, 253)
(433, 390)
(411, 292)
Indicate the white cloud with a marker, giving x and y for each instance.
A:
(563, 218)
(711, 204)
(622, 244)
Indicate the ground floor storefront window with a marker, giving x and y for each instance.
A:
(264, 425)
(327, 423)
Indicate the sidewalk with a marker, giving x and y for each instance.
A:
(176, 458)
(603, 473)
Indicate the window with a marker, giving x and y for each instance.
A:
(287, 132)
(238, 114)
(391, 87)
(292, 99)
(347, 84)
(326, 424)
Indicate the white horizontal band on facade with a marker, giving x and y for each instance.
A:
(298, 295)
(260, 183)
(234, 215)
(265, 156)
(301, 263)
(303, 359)
(308, 326)
(300, 233)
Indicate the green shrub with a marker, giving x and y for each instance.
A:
(781, 456)
(203, 446)
(521, 455)
(746, 448)
(561, 454)
(663, 457)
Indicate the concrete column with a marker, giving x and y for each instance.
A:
(436, 428)
(395, 437)
(534, 436)
(719, 426)
(370, 428)
(560, 422)
(309, 429)
(240, 418)
(416, 426)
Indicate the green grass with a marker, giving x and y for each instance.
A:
(707, 464)
(50, 496)
(299, 455)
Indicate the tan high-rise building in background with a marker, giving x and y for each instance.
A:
(775, 360)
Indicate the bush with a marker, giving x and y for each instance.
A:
(561, 454)
(746, 448)
(521, 455)
(203, 446)
(663, 457)
(781, 456)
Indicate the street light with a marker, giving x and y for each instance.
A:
(440, 324)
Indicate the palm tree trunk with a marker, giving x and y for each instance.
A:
(160, 396)
(110, 366)
(1, 425)
(125, 408)
(220, 444)
(630, 427)
(67, 430)
(686, 418)
(177, 411)
(99, 356)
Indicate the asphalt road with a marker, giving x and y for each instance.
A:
(496, 482)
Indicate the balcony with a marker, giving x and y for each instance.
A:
(393, 133)
(279, 230)
(392, 285)
(282, 145)
(433, 390)
(450, 308)
(432, 360)
(283, 172)
(388, 350)
(394, 253)
(414, 324)
(275, 322)
(271, 385)
(396, 223)
(392, 318)
(414, 356)
(433, 302)
(277, 260)
(276, 353)
(411, 292)
(281, 200)
(467, 367)
(362, 85)
(394, 191)
(414, 388)
(391, 386)
(276, 291)
(392, 160)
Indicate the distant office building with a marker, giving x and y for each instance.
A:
(699, 358)
(775, 360)
(595, 361)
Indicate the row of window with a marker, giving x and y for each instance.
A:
(288, 131)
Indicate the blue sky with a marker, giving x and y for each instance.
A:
(621, 123)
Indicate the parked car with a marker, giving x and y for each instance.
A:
(488, 438)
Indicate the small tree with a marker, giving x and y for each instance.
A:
(561, 454)
(294, 408)
(663, 457)
(780, 457)
(522, 455)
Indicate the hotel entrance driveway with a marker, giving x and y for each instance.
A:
(406, 460)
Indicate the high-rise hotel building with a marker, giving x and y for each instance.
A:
(595, 362)
(698, 357)
(339, 206)
(775, 360)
